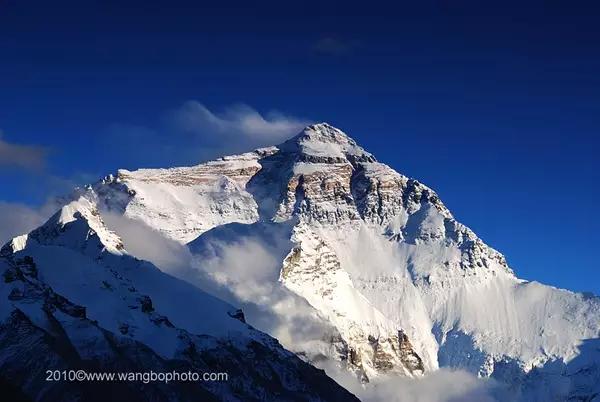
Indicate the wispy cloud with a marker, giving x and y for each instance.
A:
(193, 132)
(243, 271)
(148, 244)
(333, 46)
(238, 122)
(443, 385)
(17, 219)
(35, 181)
(30, 157)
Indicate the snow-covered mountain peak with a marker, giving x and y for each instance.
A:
(376, 254)
(323, 143)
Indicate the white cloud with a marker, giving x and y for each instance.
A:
(192, 133)
(17, 219)
(239, 122)
(442, 385)
(145, 243)
(31, 157)
(243, 271)
(246, 270)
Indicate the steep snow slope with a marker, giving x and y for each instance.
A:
(72, 297)
(375, 254)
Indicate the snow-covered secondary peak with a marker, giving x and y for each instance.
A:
(78, 224)
(183, 202)
(374, 253)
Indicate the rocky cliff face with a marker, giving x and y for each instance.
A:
(313, 271)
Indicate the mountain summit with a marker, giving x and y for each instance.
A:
(325, 141)
(350, 264)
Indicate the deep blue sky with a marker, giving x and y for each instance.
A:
(496, 108)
